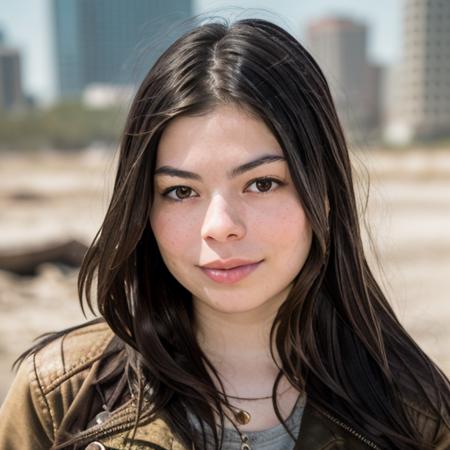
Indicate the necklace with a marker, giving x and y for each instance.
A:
(250, 398)
(242, 416)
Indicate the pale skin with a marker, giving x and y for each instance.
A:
(219, 217)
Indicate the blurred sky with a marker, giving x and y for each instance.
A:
(27, 25)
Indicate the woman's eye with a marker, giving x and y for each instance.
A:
(181, 193)
(264, 184)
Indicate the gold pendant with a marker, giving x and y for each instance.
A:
(242, 416)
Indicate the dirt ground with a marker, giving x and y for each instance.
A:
(50, 197)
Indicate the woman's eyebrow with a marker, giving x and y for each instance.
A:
(239, 170)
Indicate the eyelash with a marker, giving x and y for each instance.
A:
(167, 191)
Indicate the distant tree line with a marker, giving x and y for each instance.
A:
(71, 125)
(65, 126)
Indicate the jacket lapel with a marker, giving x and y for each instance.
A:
(314, 434)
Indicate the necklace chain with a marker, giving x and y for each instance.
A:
(253, 398)
(243, 417)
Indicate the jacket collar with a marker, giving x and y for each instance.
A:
(317, 431)
(313, 433)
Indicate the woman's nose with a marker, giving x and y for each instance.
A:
(222, 221)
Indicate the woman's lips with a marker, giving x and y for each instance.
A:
(229, 276)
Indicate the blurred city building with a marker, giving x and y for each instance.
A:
(418, 91)
(98, 95)
(106, 41)
(11, 91)
(340, 47)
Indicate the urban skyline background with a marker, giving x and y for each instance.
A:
(101, 50)
(28, 27)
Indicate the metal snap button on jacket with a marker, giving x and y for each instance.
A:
(95, 446)
(102, 417)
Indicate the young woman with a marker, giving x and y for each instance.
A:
(238, 309)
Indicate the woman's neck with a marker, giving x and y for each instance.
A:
(238, 345)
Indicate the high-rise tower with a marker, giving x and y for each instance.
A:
(11, 92)
(340, 47)
(106, 41)
(418, 104)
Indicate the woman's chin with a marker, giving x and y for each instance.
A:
(238, 305)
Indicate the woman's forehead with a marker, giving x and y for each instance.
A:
(226, 130)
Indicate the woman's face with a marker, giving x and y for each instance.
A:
(219, 212)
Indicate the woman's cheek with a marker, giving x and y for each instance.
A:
(173, 232)
(286, 223)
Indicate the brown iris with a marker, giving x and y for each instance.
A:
(263, 182)
(183, 190)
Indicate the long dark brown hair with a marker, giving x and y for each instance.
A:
(340, 340)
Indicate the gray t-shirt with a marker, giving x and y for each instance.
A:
(275, 438)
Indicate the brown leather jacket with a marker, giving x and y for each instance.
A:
(50, 383)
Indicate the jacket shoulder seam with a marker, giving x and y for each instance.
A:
(55, 380)
(41, 395)
(78, 366)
